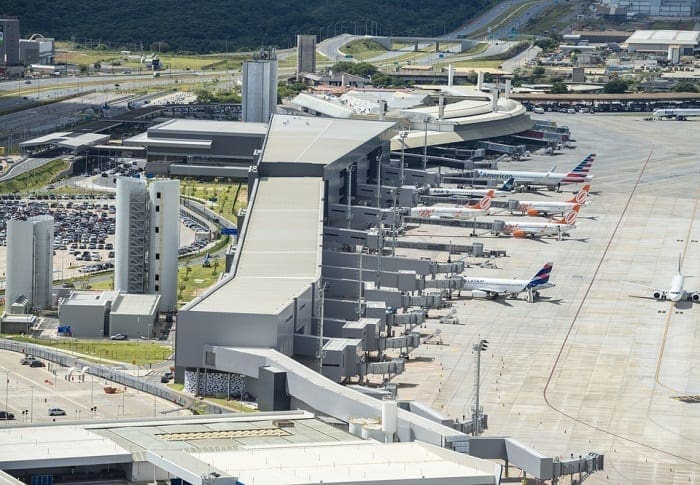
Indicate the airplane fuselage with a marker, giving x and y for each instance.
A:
(548, 207)
(497, 285)
(548, 179)
(676, 292)
(465, 192)
(447, 212)
(537, 229)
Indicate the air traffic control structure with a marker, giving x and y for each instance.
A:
(307, 293)
(147, 239)
(29, 264)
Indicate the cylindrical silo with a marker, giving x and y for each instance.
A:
(20, 261)
(30, 261)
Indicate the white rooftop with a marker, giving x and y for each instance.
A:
(127, 304)
(686, 37)
(212, 127)
(367, 461)
(273, 269)
(317, 140)
(84, 298)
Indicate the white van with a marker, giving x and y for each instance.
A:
(538, 110)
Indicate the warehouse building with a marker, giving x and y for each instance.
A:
(660, 41)
(99, 314)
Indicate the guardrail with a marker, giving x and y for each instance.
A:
(118, 376)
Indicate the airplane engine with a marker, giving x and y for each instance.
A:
(479, 294)
(533, 212)
(519, 234)
(696, 296)
(657, 294)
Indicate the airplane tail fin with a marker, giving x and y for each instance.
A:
(509, 185)
(581, 196)
(485, 202)
(542, 276)
(580, 171)
(569, 216)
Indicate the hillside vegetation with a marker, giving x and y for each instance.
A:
(218, 25)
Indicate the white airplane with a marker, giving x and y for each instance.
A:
(506, 188)
(550, 179)
(553, 227)
(676, 292)
(494, 287)
(461, 212)
(546, 207)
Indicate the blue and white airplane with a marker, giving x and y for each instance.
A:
(492, 288)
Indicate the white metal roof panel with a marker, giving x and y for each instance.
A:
(686, 37)
(317, 140)
(280, 254)
(350, 463)
(128, 304)
(209, 127)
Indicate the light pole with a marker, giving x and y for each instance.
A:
(476, 413)
(425, 143)
(402, 137)
(31, 405)
(7, 388)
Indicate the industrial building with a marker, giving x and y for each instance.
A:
(147, 238)
(686, 42)
(37, 50)
(306, 54)
(99, 314)
(29, 264)
(267, 448)
(657, 8)
(9, 46)
(200, 148)
(260, 87)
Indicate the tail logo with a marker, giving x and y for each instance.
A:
(542, 276)
(570, 216)
(582, 195)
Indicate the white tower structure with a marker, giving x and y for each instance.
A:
(132, 236)
(148, 239)
(164, 197)
(260, 87)
(30, 261)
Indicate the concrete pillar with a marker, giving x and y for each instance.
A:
(479, 80)
(508, 88)
(450, 74)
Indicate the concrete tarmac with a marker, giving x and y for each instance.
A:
(595, 364)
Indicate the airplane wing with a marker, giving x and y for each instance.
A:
(642, 286)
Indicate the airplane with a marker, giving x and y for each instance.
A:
(507, 187)
(676, 292)
(461, 212)
(550, 179)
(492, 288)
(553, 227)
(537, 207)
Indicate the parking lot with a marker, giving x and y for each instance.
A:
(595, 365)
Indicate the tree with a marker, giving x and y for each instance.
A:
(616, 86)
(559, 87)
(538, 72)
(685, 87)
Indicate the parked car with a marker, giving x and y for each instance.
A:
(37, 363)
(164, 379)
(56, 412)
(119, 336)
(5, 415)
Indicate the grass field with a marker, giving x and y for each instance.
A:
(363, 49)
(223, 198)
(129, 351)
(479, 63)
(193, 278)
(35, 179)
